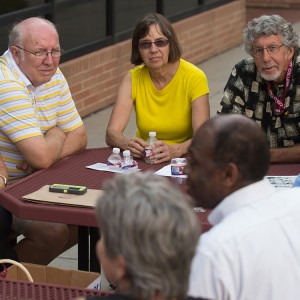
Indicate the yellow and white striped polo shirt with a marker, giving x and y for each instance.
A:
(26, 111)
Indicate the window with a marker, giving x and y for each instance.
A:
(174, 7)
(80, 23)
(127, 12)
(89, 25)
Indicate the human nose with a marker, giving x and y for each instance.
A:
(153, 47)
(49, 57)
(266, 55)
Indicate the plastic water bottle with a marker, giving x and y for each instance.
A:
(115, 158)
(128, 161)
(148, 150)
(297, 181)
(177, 166)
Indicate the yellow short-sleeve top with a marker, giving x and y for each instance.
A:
(168, 111)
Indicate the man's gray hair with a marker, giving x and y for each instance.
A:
(267, 26)
(150, 222)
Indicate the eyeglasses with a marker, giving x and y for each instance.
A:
(158, 43)
(272, 49)
(42, 54)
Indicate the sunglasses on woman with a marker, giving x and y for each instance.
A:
(148, 44)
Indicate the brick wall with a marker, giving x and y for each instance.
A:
(274, 3)
(94, 78)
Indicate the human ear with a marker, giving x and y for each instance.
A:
(120, 268)
(230, 175)
(291, 53)
(16, 54)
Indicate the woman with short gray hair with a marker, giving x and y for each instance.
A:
(148, 237)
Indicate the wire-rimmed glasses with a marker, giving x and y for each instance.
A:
(272, 49)
(42, 54)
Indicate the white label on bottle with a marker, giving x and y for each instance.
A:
(148, 151)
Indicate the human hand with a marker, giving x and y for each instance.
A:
(2, 182)
(163, 152)
(136, 147)
(24, 166)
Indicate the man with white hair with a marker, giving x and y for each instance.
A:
(266, 86)
(39, 125)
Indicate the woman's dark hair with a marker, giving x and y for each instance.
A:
(142, 29)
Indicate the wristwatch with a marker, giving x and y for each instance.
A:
(4, 179)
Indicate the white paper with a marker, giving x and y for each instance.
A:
(282, 181)
(106, 168)
(166, 171)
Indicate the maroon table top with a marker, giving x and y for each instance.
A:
(284, 170)
(72, 170)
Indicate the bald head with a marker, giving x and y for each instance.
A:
(238, 139)
(227, 153)
(32, 43)
(29, 28)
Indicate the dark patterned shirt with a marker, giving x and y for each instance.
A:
(246, 93)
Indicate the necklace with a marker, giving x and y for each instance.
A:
(279, 102)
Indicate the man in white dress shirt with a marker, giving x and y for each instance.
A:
(253, 248)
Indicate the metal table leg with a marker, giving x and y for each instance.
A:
(94, 237)
(83, 248)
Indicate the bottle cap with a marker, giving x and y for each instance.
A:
(126, 153)
(152, 133)
(116, 150)
(180, 161)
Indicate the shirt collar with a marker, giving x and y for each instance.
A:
(240, 198)
(21, 76)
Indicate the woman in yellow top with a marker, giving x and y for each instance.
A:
(169, 94)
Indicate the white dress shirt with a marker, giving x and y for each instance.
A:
(253, 249)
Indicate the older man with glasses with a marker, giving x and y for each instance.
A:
(39, 125)
(266, 86)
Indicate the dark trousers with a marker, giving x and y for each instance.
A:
(6, 249)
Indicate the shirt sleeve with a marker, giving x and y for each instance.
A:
(18, 119)
(210, 275)
(199, 87)
(195, 80)
(234, 94)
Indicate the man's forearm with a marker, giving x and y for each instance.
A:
(40, 152)
(285, 155)
(76, 141)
